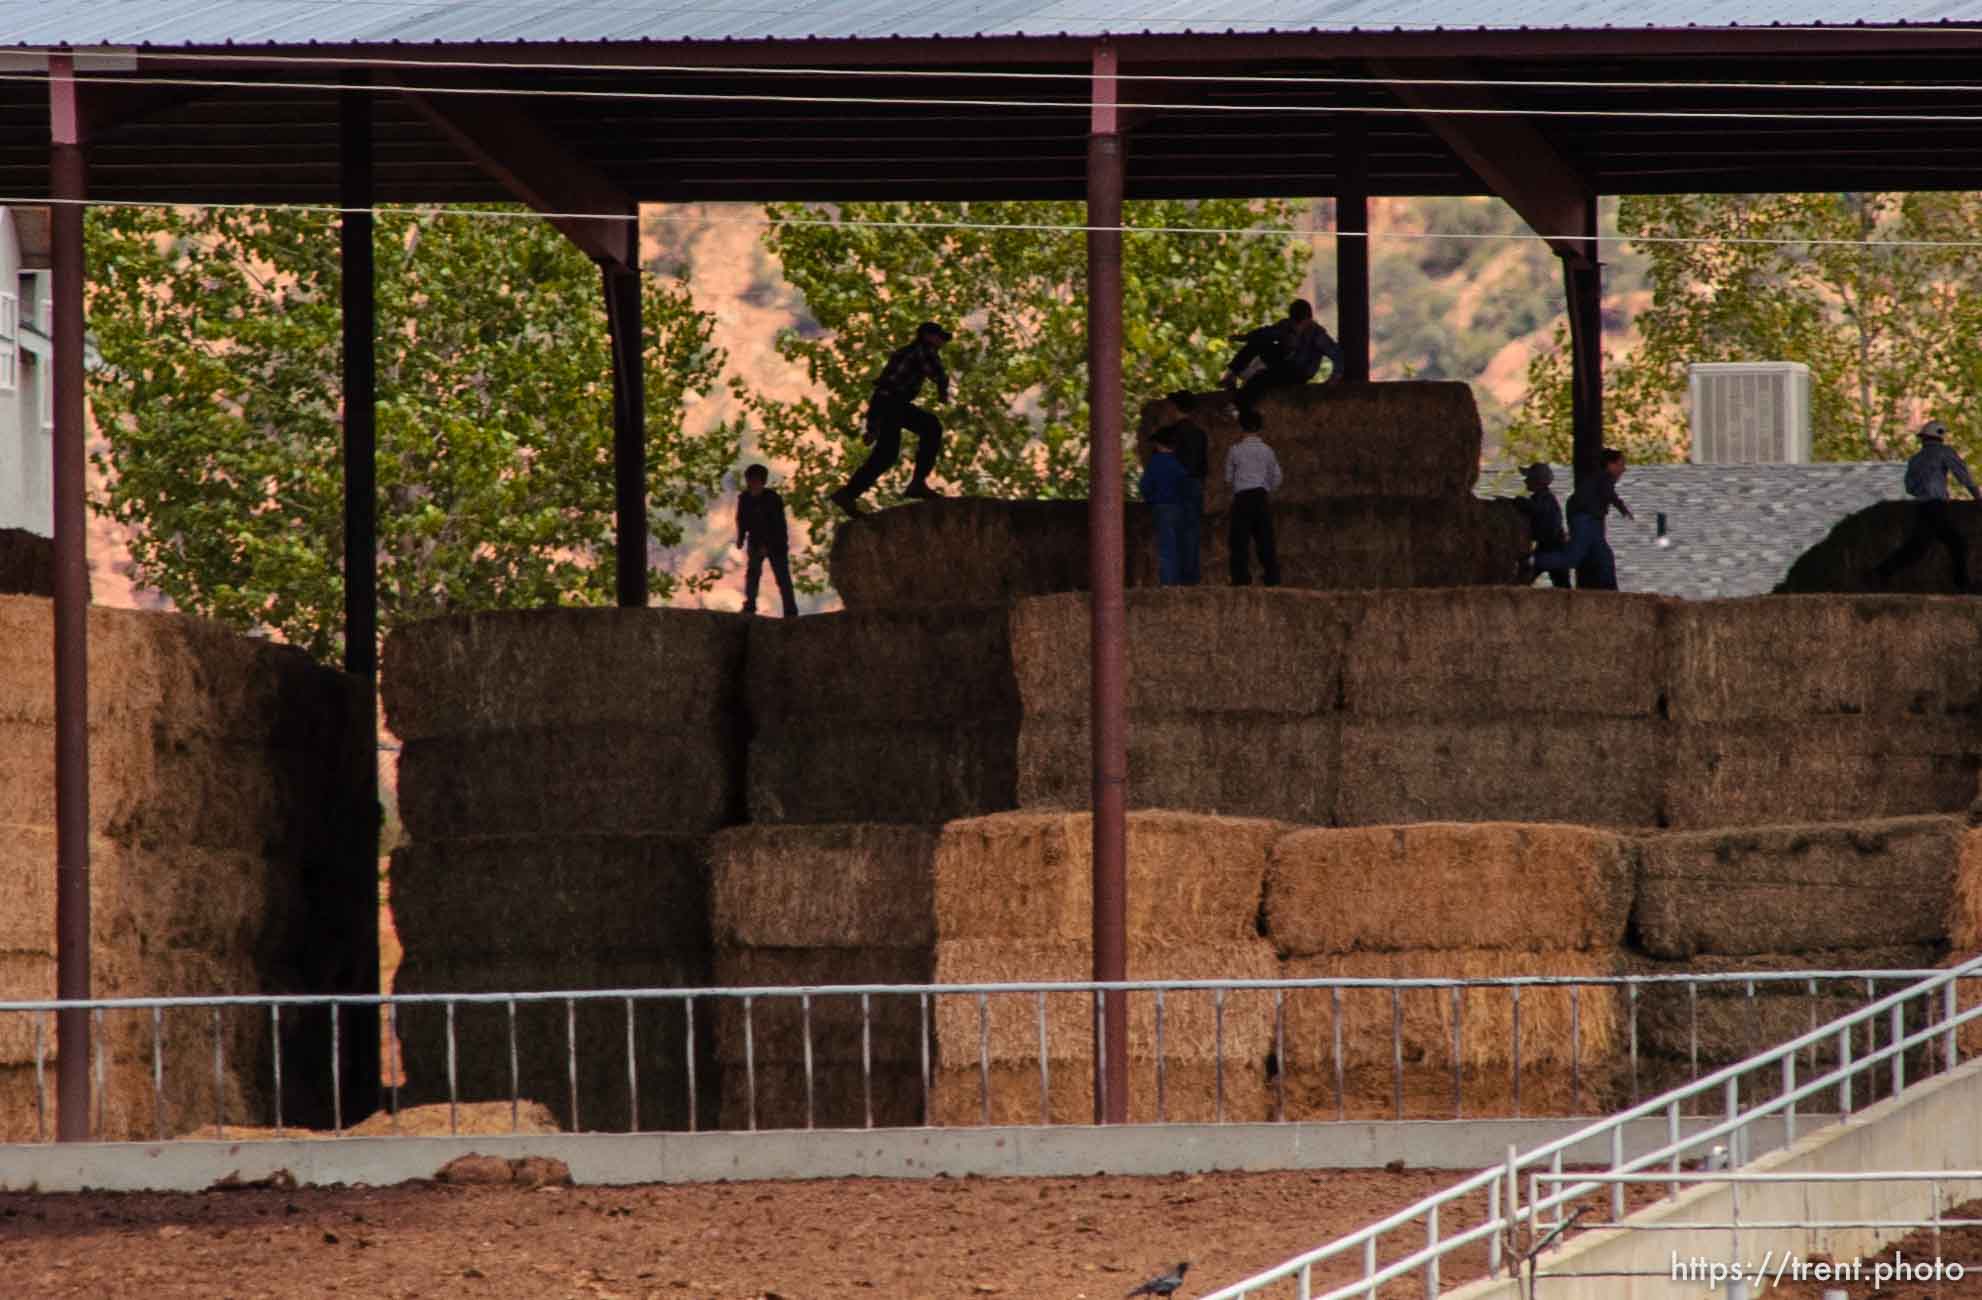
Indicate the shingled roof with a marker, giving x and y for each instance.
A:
(1734, 530)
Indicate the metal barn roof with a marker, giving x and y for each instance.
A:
(305, 22)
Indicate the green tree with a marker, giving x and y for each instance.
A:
(220, 398)
(1016, 298)
(1862, 288)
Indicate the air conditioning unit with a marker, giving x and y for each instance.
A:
(1750, 412)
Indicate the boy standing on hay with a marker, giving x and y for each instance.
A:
(1253, 472)
(892, 408)
(1193, 448)
(1289, 351)
(1165, 485)
(1588, 550)
(760, 525)
(1927, 483)
(1544, 515)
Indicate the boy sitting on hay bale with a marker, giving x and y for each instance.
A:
(1289, 352)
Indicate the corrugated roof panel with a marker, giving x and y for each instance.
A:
(290, 22)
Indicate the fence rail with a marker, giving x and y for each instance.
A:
(1545, 1212)
(683, 1056)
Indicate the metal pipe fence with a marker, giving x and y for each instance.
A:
(1515, 1230)
(649, 1057)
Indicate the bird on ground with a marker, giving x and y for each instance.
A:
(1165, 1285)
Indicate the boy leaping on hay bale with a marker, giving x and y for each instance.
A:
(892, 407)
(1164, 486)
(1927, 483)
(1289, 351)
(1193, 448)
(1588, 550)
(1544, 515)
(760, 525)
(1253, 472)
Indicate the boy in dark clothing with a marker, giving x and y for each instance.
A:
(1588, 551)
(1544, 515)
(1292, 351)
(1165, 484)
(1193, 449)
(1927, 483)
(892, 408)
(760, 524)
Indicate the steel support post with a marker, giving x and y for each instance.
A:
(1352, 251)
(1582, 278)
(629, 388)
(72, 926)
(1105, 547)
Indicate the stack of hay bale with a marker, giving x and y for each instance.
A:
(1873, 895)
(1450, 901)
(230, 818)
(1378, 493)
(561, 772)
(27, 563)
(1846, 555)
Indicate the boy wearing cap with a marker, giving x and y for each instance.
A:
(1927, 483)
(893, 407)
(1588, 550)
(1164, 486)
(1544, 515)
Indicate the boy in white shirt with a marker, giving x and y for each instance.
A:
(1252, 471)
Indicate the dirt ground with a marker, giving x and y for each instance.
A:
(1961, 1247)
(1039, 1239)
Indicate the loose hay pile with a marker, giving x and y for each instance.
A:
(1413, 439)
(1841, 561)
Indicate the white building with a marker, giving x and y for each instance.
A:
(27, 373)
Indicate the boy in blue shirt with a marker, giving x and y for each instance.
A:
(1165, 484)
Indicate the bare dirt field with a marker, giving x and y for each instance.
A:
(1910, 1264)
(1042, 1239)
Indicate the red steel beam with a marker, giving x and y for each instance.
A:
(72, 927)
(532, 164)
(1105, 514)
(1514, 159)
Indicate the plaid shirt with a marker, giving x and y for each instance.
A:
(901, 379)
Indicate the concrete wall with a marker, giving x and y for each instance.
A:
(1931, 1126)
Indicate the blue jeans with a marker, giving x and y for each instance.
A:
(1588, 552)
(1169, 543)
(1190, 545)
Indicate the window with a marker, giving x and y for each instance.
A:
(10, 317)
(10, 365)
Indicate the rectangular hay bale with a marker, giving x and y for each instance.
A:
(1579, 770)
(1503, 655)
(1797, 888)
(1192, 879)
(1191, 650)
(942, 664)
(924, 773)
(1835, 769)
(832, 886)
(777, 1025)
(509, 670)
(1559, 1022)
(1788, 657)
(840, 1096)
(1191, 1021)
(571, 780)
(1449, 885)
(1240, 765)
(535, 900)
(1193, 1092)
